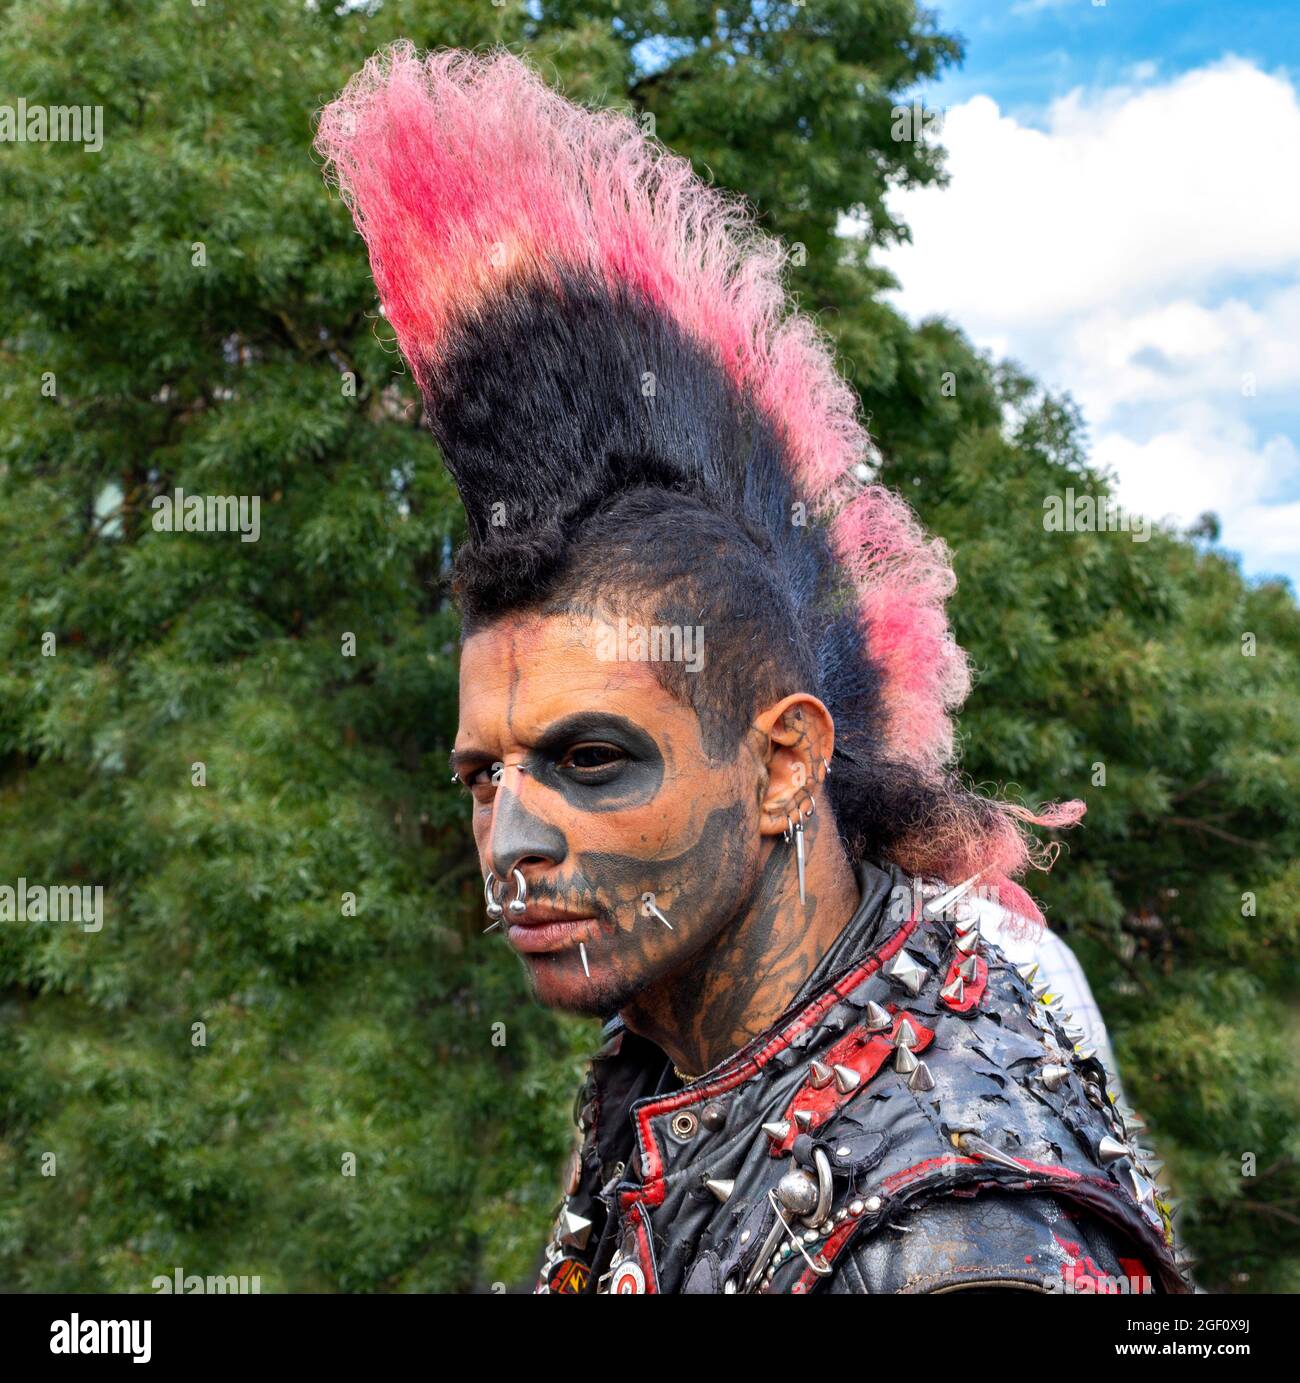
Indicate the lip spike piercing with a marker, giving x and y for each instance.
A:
(582, 951)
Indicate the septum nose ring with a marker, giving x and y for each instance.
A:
(492, 898)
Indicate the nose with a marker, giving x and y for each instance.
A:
(520, 838)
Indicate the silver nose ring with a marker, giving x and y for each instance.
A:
(494, 891)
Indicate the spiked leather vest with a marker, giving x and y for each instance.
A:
(919, 1119)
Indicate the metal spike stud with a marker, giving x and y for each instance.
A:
(1111, 1150)
(720, 1188)
(1055, 1076)
(877, 1018)
(846, 1079)
(907, 971)
(1027, 972)
(907, 1035)
(778, 1129)
(921, 1079)
(803, 1119)
(575, 1230)
(955, 992)
(969, 969)
(905, 1061)
(966, 944)
(820, 1075)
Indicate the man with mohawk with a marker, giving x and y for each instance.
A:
(818, 1073)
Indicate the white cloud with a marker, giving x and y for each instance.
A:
(1142, 249)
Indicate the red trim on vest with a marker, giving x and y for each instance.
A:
(652, 1190)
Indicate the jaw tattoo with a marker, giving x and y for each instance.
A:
(710, 749)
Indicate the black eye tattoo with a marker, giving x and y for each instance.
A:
(598, 762)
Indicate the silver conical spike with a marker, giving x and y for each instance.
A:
(1040, 989)
(956, 991)
(969, 969)
(803, 1119)
(966, 944)
(820, 1075)
(878, 1018)
(1085, 1053)
(974, 1145)
(938, 906)
(1143, 1191)
(846, 1079)
(1027, 972)
(720, 1188)
(905, 1061)
(967, 925)
(582, 951)
(1055, 1076)
(1111, 1150)
(907, 1035)
(778, 1129)
(921, 1079)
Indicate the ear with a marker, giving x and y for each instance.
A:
(799, 737)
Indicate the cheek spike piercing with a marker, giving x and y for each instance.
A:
(648, 909)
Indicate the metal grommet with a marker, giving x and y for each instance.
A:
(685, 1124)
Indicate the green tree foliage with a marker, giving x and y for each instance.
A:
(187, 307)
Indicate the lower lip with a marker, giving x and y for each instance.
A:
(552, 936)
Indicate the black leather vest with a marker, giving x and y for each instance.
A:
(919, 1119)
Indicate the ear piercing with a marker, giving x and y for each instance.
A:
(492, 897)
(794, 831)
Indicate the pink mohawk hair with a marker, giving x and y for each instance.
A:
(465, 172)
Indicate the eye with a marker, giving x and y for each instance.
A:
(586, 761)
(481, 782)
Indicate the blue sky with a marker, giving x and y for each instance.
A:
(1124, 220)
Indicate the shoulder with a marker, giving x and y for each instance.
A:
(993, 1242)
